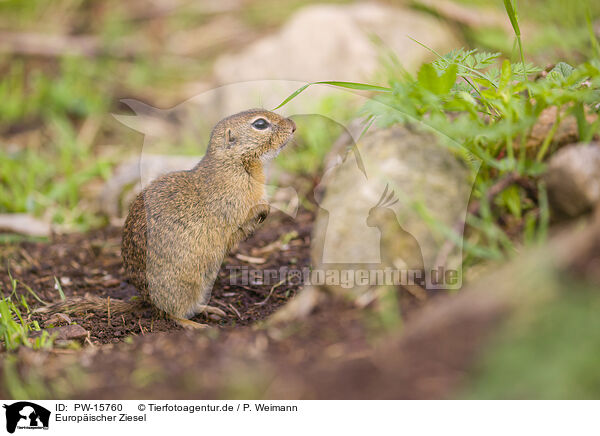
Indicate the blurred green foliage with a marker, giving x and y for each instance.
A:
(553, 354)
(15, 324)
(55, 110)
(553, 29)
(48, 105)
(47, 174)
(481, 107)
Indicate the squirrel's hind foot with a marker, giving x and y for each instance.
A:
(211, 309)
(187, 324)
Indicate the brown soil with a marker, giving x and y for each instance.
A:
(90, 264)
(338, 351)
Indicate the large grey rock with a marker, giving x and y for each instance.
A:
(573, 179)
(327, 42)
(358, 229)
(335, 42)
(320, 42)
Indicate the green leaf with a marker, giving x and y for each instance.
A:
(563, 69)
(427, 77)
(512, 199)
(448, 79)
(430, 80)
(505, 75)
(583, 126)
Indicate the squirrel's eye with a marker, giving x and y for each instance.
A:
(260, 124)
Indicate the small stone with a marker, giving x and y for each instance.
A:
(58, 318)
(573, 179)
(566, 133)
(69, 332)
(24, 224)
(109, 281)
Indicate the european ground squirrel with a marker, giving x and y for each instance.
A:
(182, 225)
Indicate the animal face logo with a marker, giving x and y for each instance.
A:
(381, 208)
(26, 415)
(390, 205)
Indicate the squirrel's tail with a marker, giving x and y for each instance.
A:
(89, 303)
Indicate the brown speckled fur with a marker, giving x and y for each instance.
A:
(181, 226)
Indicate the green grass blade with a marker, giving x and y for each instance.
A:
(590, 27)
(13, 283)
(515, 25)
(31, 291)
(370, 122)
(512, 16)
(355, 85)
(292, 95)
(59, 288)
(347, 85)
(425, 47)
(472, 70)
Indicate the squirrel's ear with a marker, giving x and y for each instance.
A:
(229, 138)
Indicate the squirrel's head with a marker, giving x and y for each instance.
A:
(252, 134)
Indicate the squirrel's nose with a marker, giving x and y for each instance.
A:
(293, 125)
